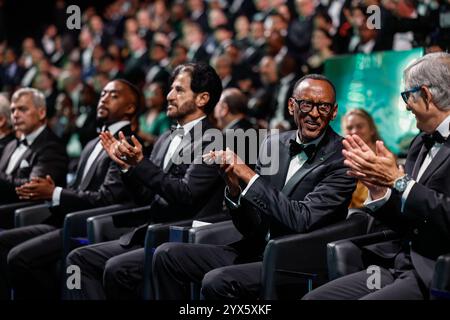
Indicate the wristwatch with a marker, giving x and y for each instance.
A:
(401, 183)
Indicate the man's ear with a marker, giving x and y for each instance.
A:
(131, 109)
(334, 112)
(202, 99)
(42, 112)
(426, 94)
(291, 106)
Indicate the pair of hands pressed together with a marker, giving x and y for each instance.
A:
(377, 170)
(120, 151)
(233, 167)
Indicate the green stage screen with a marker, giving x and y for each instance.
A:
(374, 82)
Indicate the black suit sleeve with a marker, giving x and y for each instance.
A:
(111, 191)
(148, 179)
(332, 194)
(422, 204)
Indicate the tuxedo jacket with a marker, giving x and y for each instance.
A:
(180, 190)
(424, 223)
(318, 194)
(45, 156)
(102, 185)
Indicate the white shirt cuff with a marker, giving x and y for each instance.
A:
(230, 202)
(252, 180)
(56, 196)
(406, 193)
(374, 205)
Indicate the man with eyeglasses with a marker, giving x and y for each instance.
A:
(305, 188)
(414, 201)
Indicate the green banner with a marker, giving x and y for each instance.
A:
(374, 82)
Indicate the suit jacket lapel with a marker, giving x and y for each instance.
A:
(323, 153)
(185, 142)
(83, 160)
(285, 161)
(442, 155)
(90, 173)
(7, 153)
(304, 170)
(419, 161)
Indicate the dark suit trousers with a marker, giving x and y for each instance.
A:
(176, 265)
(403, 286)
(108, 270)
(28, 257)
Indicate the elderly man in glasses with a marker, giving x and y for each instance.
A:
(301, 186)
(414, 201)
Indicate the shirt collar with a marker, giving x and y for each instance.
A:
(33, 135)
(188, 126)
(444, 127)
(232, 123)
(116, 126)
(315, 142)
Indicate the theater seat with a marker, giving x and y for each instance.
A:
(346, 257)
(75, 225)
(7, 212)
(299, 262)
(31, 215)
(160, 233)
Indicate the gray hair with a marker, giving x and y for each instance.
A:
(36, 95)
(433, 71)
(5, 111)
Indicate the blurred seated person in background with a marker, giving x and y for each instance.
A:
(63, 122)
(360, 122)
(154, 121)
(321, 43)
(6, 131)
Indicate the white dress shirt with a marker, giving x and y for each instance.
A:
(20, 150)
(176, 140)
(113, 129)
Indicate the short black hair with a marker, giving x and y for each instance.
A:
(138, 97)
(203, 79)
(314, 76)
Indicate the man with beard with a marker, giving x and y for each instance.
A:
(175, 181)
(28, 255)
(304, 187)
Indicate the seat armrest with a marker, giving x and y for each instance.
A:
(440, 285)
(31, 215)
(75, 224)
(301, 258)
(218, 233)
(7, 212)
(345, 256)
(102, 227)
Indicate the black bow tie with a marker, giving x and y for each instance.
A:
(295, 148)
(22, 141)
(176, 131)
(430, 139)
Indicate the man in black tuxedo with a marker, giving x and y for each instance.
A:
(28, 255)
(6, 131)
(413, 201)
(175, 181)
(37, 153)
(300, 187)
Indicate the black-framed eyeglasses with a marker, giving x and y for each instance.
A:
(405, 94)
(305, 106)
